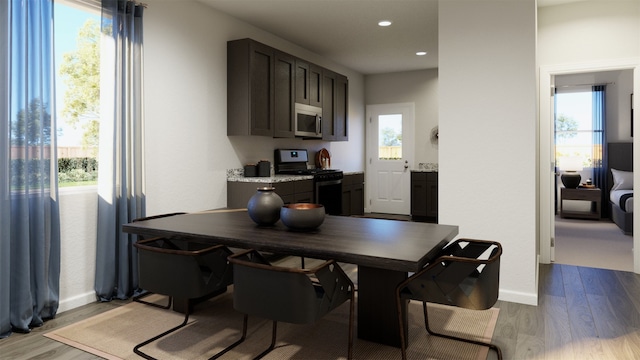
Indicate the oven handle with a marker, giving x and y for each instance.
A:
(328, 182)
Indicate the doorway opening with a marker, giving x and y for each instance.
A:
(584, 232)
(588, 247)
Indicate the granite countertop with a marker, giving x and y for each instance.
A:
(269, 179)
(237, 175)
(426, 167)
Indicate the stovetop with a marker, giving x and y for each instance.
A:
(308, 171)
(295, 162)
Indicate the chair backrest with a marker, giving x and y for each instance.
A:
(182, 268)
(286, 294)
(465, 274)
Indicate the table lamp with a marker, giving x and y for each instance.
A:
(570, 167)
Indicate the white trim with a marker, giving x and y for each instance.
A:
(76, 301)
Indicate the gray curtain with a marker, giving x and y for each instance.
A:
(29, 210)
(121, 195)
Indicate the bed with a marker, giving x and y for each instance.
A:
(620, 185)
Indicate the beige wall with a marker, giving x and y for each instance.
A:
(487, 107)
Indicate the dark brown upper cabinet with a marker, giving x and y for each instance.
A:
(308, 83)
(260, 90)
(263, 85)
(335, 92)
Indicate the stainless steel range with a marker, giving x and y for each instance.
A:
(327, 182)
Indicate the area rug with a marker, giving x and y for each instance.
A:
(214, 325)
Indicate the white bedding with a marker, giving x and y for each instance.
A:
(615, 196)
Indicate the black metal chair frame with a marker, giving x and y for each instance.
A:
(145, 293)
(225, 279)
(449, 257)
(328, 277)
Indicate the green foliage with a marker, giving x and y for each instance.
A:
(80, 71)
(566, 127)
(77, 170)
(390, 137)
(32, 126)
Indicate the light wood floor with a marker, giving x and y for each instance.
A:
(583, 313)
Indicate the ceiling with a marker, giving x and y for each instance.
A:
(347, 31)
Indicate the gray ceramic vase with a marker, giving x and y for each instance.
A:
(264, 206)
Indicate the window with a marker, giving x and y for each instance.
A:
(574, 128)
(77, 62)
(390, 137)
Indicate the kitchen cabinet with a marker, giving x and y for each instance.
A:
(264, 83)
(239, 193)
(308, 83)
(335, 90)
(353, 194)
(260, 90)
(424, 196)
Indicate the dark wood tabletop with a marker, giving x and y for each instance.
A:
(385, 244)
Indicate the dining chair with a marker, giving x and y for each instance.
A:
(465, 274)
(144, 293)
(181, 268)
(292, 295)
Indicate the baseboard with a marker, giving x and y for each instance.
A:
(76, 301)
(518, 297)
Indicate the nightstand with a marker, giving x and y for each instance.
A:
(593, 195)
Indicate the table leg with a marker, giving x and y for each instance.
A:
(377, 311)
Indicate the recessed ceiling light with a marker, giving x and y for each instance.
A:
(384, 23)
(421, 53)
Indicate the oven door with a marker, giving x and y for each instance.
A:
(329, 194)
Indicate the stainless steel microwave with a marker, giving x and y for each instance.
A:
(308, 121)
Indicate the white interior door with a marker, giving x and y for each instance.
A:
(390, 135)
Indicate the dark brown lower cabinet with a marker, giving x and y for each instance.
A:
(239, 193)
(424, 196)
(353, 194)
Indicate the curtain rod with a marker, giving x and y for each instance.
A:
(581, 85)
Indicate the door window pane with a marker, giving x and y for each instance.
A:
(390, 137)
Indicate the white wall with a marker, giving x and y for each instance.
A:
(487, 106)
(188, 151)
(588, 31)
(78, 213)
(418, 87)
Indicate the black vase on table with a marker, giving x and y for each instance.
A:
(570, 179)
(264, 206)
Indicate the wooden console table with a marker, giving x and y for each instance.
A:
(593, 195)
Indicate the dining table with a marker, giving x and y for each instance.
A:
(385, 252)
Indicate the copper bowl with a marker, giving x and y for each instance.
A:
(302, 216)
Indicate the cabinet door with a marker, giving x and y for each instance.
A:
(283, 95)
(418, 194)
(261, 83)
(302, 82)
(432, 195)
(328, 105)
(341, 109)
(357, 198)
(315, 85)
(308, 83)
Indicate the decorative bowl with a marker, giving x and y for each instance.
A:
(302, 216)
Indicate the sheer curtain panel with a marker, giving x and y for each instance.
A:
(29, 209)
(121, 195)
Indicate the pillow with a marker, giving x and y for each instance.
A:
(622, 180)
